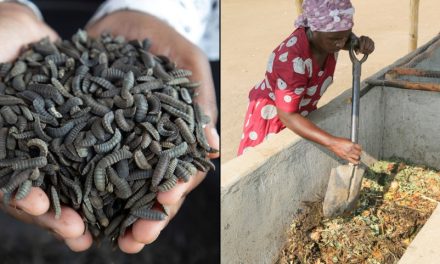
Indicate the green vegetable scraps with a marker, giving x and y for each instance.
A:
(395, 202)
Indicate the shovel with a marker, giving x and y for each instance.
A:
(345, 180)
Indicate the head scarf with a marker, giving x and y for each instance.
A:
(326, 15)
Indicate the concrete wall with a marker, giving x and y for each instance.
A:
(263, 189)
(412, 129)
(424, 248)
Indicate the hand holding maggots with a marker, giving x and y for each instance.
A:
(18, 28)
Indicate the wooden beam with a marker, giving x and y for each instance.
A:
(298, 7)
(414, 24)
(435, 87)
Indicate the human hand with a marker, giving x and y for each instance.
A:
(33, 209)
(19, 27)
(345, 149)
(165, 41)
(366, 45)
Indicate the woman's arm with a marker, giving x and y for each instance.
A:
(303, 127)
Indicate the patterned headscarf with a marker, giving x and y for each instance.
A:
(326, 15)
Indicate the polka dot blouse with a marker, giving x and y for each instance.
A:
(294, 83)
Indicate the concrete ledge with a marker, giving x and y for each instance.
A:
(263, 189)
(425, 248)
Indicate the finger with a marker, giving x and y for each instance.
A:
(180, 190)
(69, 225)
(201, 70)
(147, 231)
(128, 244)
(355, 152)
(371, 47)
(357, 147)
(354, 157)
(43, 30)
(17, 213)
(53, 36)
(362, 45)
(80, 243)
(35, 203)
(213, 140)
(367, 47)
(352, 161)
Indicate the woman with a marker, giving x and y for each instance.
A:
(299, 71)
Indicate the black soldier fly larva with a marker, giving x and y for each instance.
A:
(102, 126)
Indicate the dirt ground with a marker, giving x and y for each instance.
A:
(250, 30)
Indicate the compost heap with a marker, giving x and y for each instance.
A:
(395, 202)
(101, 125)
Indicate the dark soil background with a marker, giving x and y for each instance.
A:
(193, 236)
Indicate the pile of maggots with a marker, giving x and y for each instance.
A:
(395, 202)
(101, 125)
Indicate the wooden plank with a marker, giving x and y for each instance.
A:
(435, 87)
(414, 24)
(413, 72)
(298, 7)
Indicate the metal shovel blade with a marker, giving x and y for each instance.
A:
(343, 189)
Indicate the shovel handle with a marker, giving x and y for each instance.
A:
(354, 59)
(356, 89)
(355, 44)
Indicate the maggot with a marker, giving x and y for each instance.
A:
(177, 113)
(168, 184)
(23, 190)
(40, 144)
(159, 171)
(47, 91)
(107, 122)
(60, 131)
(123, 124)
(97, 108)
(10, 100)
(108, 160)
(103, 82)
(39, 130)
(141, 107)
(73, 133)
(177, 151)
(166, 99)
(20, 67)
(123, 189)
(154, 102)
(147, 199)
(149, 214)
(151, 129)
(178, 73)
(185, 131)
(3, 135)
(135, 197)
(38, 162)
(57, 84)
(15, 180)
(110, 144)
(141, 161)
(9, 116)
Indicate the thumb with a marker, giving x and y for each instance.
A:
(213, 140)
